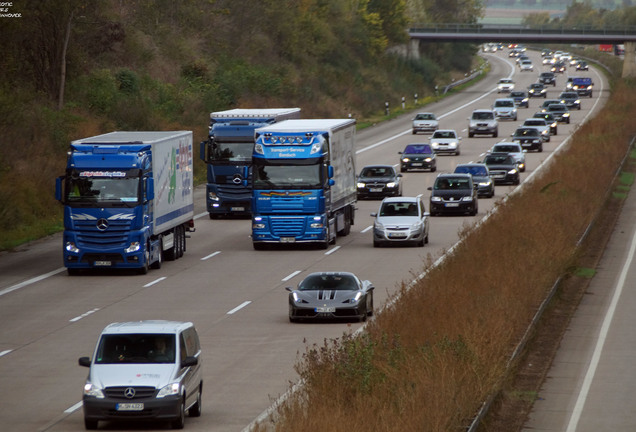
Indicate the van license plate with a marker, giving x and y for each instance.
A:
(129, 407)
(103, 263)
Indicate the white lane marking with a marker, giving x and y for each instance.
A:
(239, 307)
(598, 350)
(155, 281)
(210, 256)
(200, 215)
(5, 352)
(73, 408)
(290, 276)
(31, 281)
(330, 251)
(84, 315)
(367, 229)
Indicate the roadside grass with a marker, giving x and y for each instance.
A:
(430, 359)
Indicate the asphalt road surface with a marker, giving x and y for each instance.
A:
(233, 294)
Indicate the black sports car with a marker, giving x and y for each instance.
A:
(331, 295)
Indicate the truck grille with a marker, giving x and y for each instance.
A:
(115, 235)
(287, 203)
(287, 227)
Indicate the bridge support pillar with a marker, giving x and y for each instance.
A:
(413, 51)
(629, 62)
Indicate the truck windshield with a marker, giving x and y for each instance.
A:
(232, 151)
(287, 176)
(102, 191)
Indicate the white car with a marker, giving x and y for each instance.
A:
(505, 85)
(541, 125)
(425, 122)
(445, 141)
(401, 220)
(513, 149)
(505, 108)
(526, 66)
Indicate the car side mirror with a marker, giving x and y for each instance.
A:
(84, 361)
(430, 188)
(290, 289)
(189, 361)
(400, 175)
(373, 214)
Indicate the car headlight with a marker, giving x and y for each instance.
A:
(535, 141)
(553, 125)
(406, 160)
(434, 145)
(361, 185)
(452, 144)
(485, 183)
(169, 390)
(357, 297)
(566, 114)
(416, 226)
(578, 101)
(93, 391)
(436, 199)
(467, 198)
(428, 159)
(524, 100)
(378, 226)
(391, 184)
(512, 171)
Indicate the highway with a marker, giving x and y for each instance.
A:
(234, 294)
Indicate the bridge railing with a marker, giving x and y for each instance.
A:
(521, 29)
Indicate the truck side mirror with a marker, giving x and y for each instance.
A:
(203, 151)
(58, 188)
(150, 188)
(246, 176)
(330, 171)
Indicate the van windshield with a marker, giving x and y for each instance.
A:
(136, 348)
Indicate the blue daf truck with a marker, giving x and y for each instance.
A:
(304, 182)
(228, 152)
(128, 200)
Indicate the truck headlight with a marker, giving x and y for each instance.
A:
(169, 390)
(70, 246)
(212, 196)
(257, 223)
(91, 390)
(134, 247)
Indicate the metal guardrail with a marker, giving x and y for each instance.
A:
(522, 29)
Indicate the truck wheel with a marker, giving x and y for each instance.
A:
(144, 269)
(258, 246)
(171, 254)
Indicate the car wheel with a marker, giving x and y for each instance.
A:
(470, 134)
(420, 243)
(495, 134)
(545, 95)
(179, 422)
(376, 243)
(414, 133)
(457, 152)
(195, 410)
(403, 169)
(473, 212)
(90, 424)
(518, 181)
(568, 122)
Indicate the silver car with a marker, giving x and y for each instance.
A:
(401, 220)
(445, 141)
(513, 149)
(425, 122)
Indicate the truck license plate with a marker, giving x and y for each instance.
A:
(103, 263)
(288, 239)
(129, 407)
(237, 208)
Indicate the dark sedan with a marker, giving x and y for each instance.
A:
(503, 168)
(418, 156)
(520, 98)
(560, 112)
(529, 138)
(571, 99)
(481, 177)
(537, 90)
(331, 295)
(453, 193)
(379, 181)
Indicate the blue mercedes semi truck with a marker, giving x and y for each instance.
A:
(128, 200)
(304, 182)
(228, 155)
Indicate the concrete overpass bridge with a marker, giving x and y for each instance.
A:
(480, 33)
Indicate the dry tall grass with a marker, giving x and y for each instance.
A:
(430, 360)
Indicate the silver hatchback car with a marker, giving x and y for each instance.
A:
(401, 220)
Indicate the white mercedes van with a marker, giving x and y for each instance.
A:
(144, 370)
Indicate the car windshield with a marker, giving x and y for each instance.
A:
(557, 107)
(483, 116)
(537, 122)
(452, 183)
(377, 172)
(498, 160)
(504, 104)
(425, 116)
(526, 132)
(506, 148)
(136, 348)
(476, 170)
(444, 134)
(399, 208)
(333, 282)
(415, 149)
(517, 94)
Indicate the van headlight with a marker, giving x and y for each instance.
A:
(169, 390)
(93, 391)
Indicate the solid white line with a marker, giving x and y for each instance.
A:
(598, 350)
(330, 251)
(73, 408)
(31, 281)
(290, 276)
(367, 229)
(5, 352)
(239, 307)
(200, 215)
(210, 256)
(155, 281)
(84, 315)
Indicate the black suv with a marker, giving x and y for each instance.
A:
(379, 181)
(547, 78)
(453, 193)
(418, 156)
(503, 168)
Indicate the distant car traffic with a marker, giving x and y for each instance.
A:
(515, 150)
(481, 178)
(401, 221)
(425, 122)
(503, 168)
(418, 156)
(453, 193)
(331, 295)
(445, 141)
(379, 181)
(483, 122)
